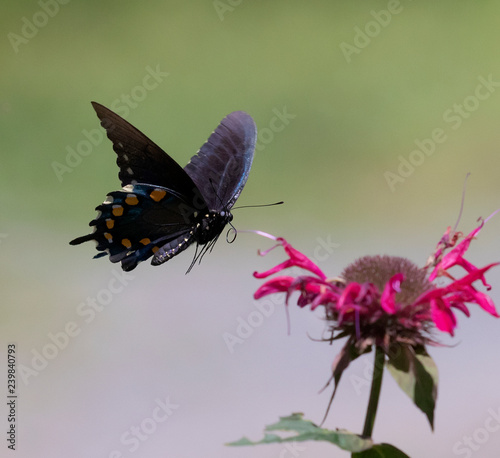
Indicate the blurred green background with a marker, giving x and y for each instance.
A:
(364, 84)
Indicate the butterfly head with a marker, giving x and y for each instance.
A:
(211, 225)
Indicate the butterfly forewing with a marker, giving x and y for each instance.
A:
(140, 160)
(220, 168)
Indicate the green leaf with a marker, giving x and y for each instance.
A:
(346, 356)
(381, 451)
(417, 375)
(306, 431)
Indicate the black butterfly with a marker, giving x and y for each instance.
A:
(163, 208)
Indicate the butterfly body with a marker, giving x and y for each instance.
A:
(163, 208)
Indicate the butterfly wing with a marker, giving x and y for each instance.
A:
(220, 168)
(142, 161)
(141, 221)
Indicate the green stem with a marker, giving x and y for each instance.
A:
(371, 411)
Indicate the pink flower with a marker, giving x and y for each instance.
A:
(456, 295)
(456, 257)
(275, 285)
(297, 259)
(386, 299)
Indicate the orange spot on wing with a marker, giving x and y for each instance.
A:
(155, 249)
(126, 243)
(110, 223)
(108, 236)
(158, 194)
(145, 241)
(131, 199)
(117, 210)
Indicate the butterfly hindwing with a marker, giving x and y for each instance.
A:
(135, 223)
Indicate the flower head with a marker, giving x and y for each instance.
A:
(385, 299)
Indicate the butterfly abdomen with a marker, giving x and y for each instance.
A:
(172, 248)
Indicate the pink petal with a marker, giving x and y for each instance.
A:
(458, 301)
(349, 296)
(300, 260)
(297, 259)
(388, 299)
(442, 316)
(275, 269)
(455, 256)
(470, 278)
(486, 303)
(275, 285)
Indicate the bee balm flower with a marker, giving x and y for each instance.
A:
(386, 299)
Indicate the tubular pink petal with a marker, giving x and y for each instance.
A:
(442, 316)
(275, 285)
(300, 260)
(457, 285)
(349, 295)
(388, 299)
(486, 303)
(471, 277)
(470, 268)
(455, 256)
(275, 269)
(297, 259)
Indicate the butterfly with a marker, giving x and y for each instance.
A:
(163, 208)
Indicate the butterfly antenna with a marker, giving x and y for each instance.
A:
(263, 205)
